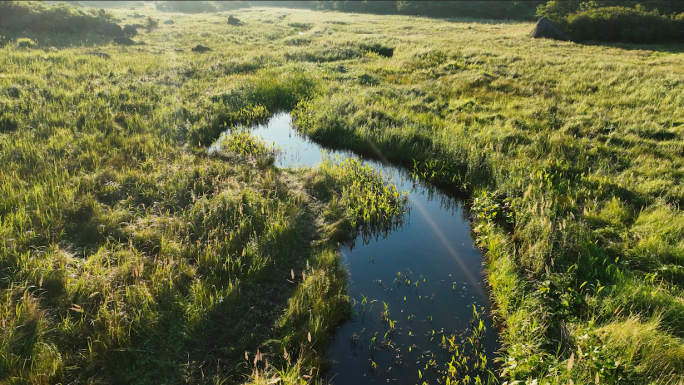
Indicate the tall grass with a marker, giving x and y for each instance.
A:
(575, 178)
(131, 255)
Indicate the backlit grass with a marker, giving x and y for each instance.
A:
(575, 155)
(130, 255)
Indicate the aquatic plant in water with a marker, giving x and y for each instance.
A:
(374, 205)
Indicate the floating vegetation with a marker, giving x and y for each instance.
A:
(456, 359)
(468, 360)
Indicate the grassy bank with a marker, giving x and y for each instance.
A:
(130, 254)
(574, 157)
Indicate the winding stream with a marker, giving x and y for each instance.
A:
(428, 273)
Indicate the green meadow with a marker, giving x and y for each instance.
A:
(130, 254)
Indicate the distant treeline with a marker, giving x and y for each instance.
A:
(612, 21)
(200, 6)
(566, 8)
(99, 3)
(516, 10)
(627, 21)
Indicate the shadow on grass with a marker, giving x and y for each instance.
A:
(172, 352)
(673, 48)
(59, 41)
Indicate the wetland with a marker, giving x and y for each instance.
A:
(336, 197)
(412, 288)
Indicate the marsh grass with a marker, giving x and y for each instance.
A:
(243, 143)
(370, 199)
(130, 255)
(575, 180)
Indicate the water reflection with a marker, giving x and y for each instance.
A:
(415, 285)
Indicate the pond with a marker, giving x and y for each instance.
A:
(413, 290)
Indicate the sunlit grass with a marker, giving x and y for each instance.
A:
(131, 255)
(573, 158)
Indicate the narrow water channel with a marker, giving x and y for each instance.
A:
(427, 277)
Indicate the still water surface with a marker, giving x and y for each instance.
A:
(433, 249)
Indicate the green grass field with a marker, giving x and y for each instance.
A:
(130, 255)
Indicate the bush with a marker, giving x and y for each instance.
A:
(635, 25)
(379, 49)
(301, 26)
(298, 40)
(613, 21)
(39, 17)
(7, 124)
(14, 91)
(231, 5)
(558, 11)
(325, 54)
(25, 43)
(151, 23)
(368, 80)
(515, 10)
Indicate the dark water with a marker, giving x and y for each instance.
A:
(433, 249)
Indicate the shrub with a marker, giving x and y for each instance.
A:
(7, 124)
(624, 24)
(517, 10)
(298, 40)
(41, 18)
(14, 91)
(339, 51)
(25, 43)
(325, 54)
(231, 5)
(368, 80)
(613, 21)
(301, 26)
(558, 11)
(379, 49)
(151, 23)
